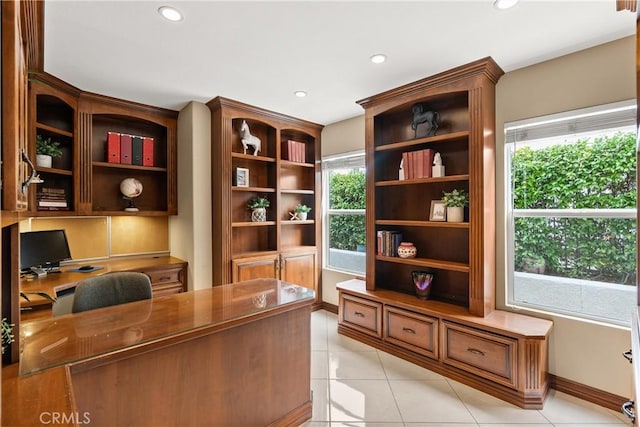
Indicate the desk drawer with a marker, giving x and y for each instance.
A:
(361, 314)
(487, 355)
(166, 280)
(412, 331)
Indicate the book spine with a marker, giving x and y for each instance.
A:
(148, 158)
(136, 150)
(113, 147)
(379, 241)
(125, 149)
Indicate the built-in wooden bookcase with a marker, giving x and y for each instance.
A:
(278, 247)
(461, 255)
(53, 117)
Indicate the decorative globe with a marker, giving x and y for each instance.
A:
(130, 189)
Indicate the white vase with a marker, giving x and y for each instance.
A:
(259, 215)
(302, 216)
(43, 160)
(455, 214)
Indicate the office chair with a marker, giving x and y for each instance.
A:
(111, 289)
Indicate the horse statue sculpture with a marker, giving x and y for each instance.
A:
(248, 139)
(421, 116)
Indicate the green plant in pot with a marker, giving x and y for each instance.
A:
(455, 202)
(302, 211)
(46, 150)
(258, 206)
(7, 334)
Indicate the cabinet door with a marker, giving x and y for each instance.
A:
(259, 267)
(299, 269)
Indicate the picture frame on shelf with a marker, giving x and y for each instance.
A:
(438, 211)
(242, 177)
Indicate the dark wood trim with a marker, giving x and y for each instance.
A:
(630, 5)
(328, 307)
(588, 393)
(32, 17)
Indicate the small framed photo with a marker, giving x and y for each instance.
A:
(242, 177)
(438, 211)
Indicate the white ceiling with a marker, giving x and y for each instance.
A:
(261, 52)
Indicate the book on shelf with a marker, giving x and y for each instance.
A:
(136, 150)
(125, 149)
(294, 151)
(388, 242)
(147, 151)
(417, 164)
(113, 147)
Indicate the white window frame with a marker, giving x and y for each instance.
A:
(592, 120)
(339, 161)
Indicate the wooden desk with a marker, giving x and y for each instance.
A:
(232, 355)
(168, 276)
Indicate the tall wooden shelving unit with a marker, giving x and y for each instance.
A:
(457, 332)
(278, 247)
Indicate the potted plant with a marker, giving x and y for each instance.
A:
(7, 334)
(46, 150)
(455, 202)
(302, 211)
(258, 206)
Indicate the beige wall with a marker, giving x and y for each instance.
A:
(190, 230)
(103, 237)
(585, 352)
(588, 353)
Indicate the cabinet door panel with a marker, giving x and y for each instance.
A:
(299, 269)
(255, 268)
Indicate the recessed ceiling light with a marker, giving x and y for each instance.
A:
(378, 58)
(300, 93)
(170, 13)
(504, 4)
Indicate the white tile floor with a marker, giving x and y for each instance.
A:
(356, 385)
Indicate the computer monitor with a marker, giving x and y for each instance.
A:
(43, 249)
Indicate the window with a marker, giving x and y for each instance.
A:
(344, 206)
(571, 220)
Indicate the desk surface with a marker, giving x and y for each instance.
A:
(67, 278)
(73, 337)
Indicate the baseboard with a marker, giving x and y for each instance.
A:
(329, 307)
(588, 393)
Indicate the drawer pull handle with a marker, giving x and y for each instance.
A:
(358, 314)
(409, 331)
(475, 351)
(164, 278)
(627, 355)
(627, 409)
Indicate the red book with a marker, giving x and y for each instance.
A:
(296, 151)
(419, 161)
(428, 162)
(113, 147)
(412, 169)
(303, 152)
(287, 150)
(147, 152)
(125, 149)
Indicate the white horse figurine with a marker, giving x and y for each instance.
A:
(248, 139)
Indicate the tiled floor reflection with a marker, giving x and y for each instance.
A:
(355, 385)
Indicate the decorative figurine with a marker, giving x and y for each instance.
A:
(438, 168)
(248, 139)
(401, 171)
(421, 116)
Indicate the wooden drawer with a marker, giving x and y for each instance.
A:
(484, 354)
(412, 331)
(166, 280)
(361, 314)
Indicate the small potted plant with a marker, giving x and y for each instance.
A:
(302, 211)
(455, 202)
(7, 334)
(258, 206)
(46, 150)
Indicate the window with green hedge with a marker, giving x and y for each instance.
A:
(571, 212)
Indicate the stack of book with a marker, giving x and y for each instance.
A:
(388, 242)
(130, 149)
(417, 164)
(294, 151)
(52, 199)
